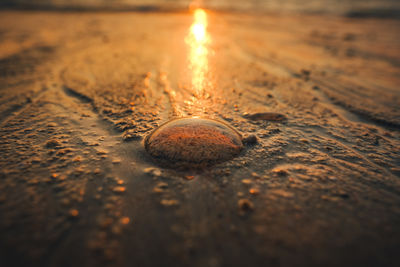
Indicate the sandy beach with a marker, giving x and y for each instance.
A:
(317, 96)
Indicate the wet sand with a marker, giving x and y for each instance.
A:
(81, 91)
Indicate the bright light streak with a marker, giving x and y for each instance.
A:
(198, 40)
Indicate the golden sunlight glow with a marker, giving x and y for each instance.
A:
(199, 26)
(198, 39)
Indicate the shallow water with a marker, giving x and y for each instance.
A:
(313, 6)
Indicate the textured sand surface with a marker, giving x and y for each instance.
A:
(318, 187)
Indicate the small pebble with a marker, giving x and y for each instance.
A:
(53, 143)
(125, 220)
(153, 171)
(245, 206)
(169, 202)
(254, 191)
(73, 212)
(189, 177)
(250, 140)
(119, 189)
(246, 181)
(280, 172)
(116, 161)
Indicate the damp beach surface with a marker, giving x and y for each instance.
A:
(304, 139)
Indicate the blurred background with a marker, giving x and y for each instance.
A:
(380, 8)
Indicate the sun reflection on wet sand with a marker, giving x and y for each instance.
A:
(198, 39)
(195, 92)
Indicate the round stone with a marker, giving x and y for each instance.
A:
(194, 140)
